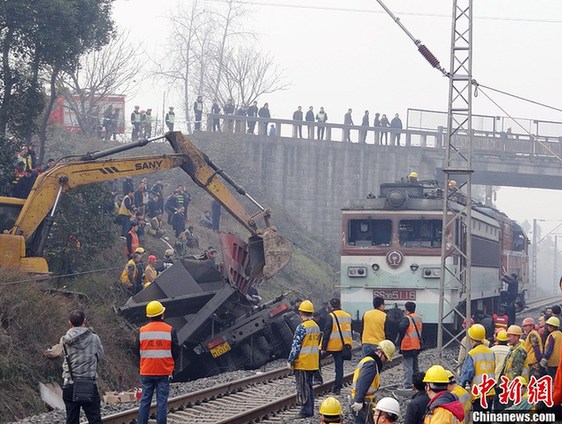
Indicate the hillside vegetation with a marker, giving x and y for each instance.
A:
(33, 314)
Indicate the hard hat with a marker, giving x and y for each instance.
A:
(387, 348)
(154, 308)
(330, 406)
(306, 306)
(555, 322)
(169, 252)
(450, 376)
(142, 111)
(436, 374)
(477, 332)
(152, 258)
(514, 329)
(528, 321)
(452, 183)
(522, 379)
(139, 250)
(388, 404)
(502, 336)
(413, 174)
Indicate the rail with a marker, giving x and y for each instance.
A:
(489, 142)
(250, 412)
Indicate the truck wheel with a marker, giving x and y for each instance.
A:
(292, 320)
(284, 335)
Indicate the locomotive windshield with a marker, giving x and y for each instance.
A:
(420, 232)
(369, 232)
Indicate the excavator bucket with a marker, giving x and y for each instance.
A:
(274, 249)
(248, 264)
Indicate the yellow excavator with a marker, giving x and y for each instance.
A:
(25, 223)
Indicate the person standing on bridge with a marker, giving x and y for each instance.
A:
(365, 125)
(322, 118)
(396, 123)
(304, 357)
(347, 120)
(159, 349)
(309, 118)
(297, 117)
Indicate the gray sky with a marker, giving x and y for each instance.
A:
(351, 54)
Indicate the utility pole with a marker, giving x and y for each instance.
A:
(534, 261)
(456, 248)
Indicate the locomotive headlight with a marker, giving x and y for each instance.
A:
(356, 271)
(431, 273)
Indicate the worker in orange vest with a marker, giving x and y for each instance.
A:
(159, 349)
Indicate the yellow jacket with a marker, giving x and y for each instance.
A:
(309, 355)
(373, 326)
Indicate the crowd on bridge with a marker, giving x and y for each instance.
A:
(244, 120)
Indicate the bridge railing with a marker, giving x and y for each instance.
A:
(486, 142)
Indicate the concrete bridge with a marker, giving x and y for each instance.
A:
(314, 178)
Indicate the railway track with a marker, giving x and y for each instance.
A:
(254, 398)
(268, 397)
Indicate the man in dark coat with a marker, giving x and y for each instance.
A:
(297, 116)
(417, 406)
(264, 113)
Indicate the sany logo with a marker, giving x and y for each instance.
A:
(155, 164)
(394, 258)
(538, 390)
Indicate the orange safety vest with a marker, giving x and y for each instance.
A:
(335, 341)
(411, 340)
(309, 355)
(156, 349)
(373, 326)
(134, 243)
(500, 322)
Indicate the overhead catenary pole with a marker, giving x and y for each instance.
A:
(456, 247)
(456, 250)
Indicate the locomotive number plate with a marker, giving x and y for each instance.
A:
(220, 349)
(395, 294)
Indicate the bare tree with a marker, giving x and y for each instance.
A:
(207, 55)
(102, 73)
(250, 74)
(188, 42)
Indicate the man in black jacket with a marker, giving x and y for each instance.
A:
(417, 406)
(297, 116)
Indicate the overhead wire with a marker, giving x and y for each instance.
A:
(53, 277)
(343, 9)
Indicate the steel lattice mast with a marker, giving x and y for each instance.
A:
(456, 249)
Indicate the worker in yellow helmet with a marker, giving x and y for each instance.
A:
(443, 406)
(500, 349)
(304, 357)
(331, 411)
(479, 362)
(413, 177)
(366, 380)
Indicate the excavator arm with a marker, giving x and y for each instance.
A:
(49, 186)
(268, 251)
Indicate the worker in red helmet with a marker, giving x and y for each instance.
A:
(533, 346)
(150, 272)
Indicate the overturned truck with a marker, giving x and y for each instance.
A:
(219, 328)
